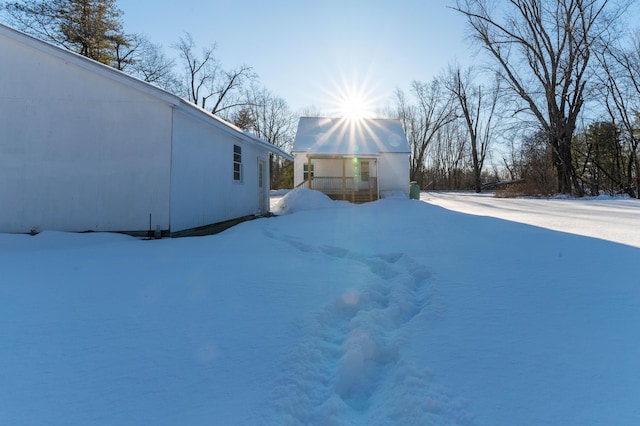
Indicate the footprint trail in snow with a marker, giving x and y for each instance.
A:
(349, 366)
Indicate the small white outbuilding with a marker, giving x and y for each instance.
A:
(351, 159)
(84, 147)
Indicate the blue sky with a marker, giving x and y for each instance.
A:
(310, 53)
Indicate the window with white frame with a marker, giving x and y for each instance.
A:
(237, 163)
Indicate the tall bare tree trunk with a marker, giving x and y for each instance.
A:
(542, 49)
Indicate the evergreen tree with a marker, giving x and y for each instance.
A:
(92, 28)
(600, 159)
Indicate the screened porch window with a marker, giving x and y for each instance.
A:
(364, 171)
(305, 171)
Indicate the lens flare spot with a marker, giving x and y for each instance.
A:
(207, 353)
(351, 297)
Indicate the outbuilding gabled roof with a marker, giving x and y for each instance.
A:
(136, 84)
(342, 136)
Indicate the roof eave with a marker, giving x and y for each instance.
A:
(230, 128)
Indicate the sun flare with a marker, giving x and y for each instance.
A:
(355, 107)
(353, 98)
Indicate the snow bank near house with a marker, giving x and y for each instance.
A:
(393, 194)
(305, 199)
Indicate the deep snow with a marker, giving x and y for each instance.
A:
(392, 312)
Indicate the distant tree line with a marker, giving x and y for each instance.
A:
(450, 126)
(547, 59)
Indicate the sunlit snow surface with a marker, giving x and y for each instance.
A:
(612, 219)
(393, 312)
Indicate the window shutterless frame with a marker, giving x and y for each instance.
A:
(237, 163)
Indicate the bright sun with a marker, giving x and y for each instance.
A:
(355, 107)
(353, 98)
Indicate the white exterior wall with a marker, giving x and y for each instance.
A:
(394, 173)
(78, 151)
(298, 160)
(203, 190)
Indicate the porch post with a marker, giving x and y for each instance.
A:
(377, 178)
(309, 170)
(370, 189)
(344, 179)
(353, 182)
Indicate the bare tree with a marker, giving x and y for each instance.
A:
(477, 106)
(197, 69)
(543, 49)
(310, 111)
(204, 78)
(268, 117)
(271, 118)
(447, 156)
(146, 61)
(620, 89)
(530, 167)
(421, 122)
(38, 18)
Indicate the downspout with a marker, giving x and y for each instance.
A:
(171, 153)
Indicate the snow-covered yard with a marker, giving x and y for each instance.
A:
(392, 312)
(612, 219)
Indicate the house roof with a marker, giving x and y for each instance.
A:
(136, 84)
(342, 136)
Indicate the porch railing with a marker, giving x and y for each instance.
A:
(331, 184)
(343, 188)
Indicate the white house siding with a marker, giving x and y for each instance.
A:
(78, 151)
(203, 190)
(396, 173)
(298, 161)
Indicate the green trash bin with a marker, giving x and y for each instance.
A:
(414, 191)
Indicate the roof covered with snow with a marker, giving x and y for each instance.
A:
(342, 136)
